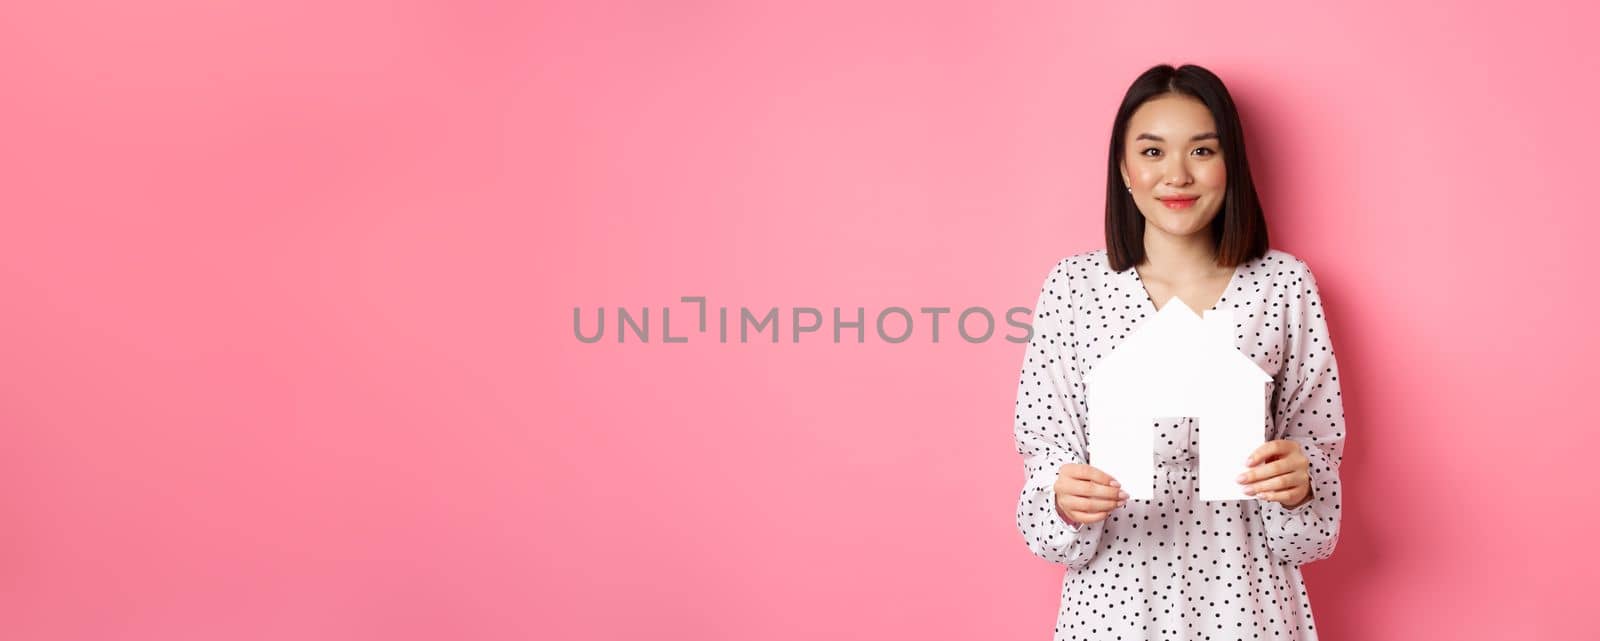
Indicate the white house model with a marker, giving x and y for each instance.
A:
(1176, 364)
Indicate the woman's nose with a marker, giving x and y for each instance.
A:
(1177, 176)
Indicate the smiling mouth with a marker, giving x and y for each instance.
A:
(1178, 203)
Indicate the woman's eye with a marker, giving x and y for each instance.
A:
(1146, 152)
(1208, 151)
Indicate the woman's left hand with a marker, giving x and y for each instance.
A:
(1279, 471)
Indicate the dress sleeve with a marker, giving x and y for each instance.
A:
(1047, 429)
(1309, 411)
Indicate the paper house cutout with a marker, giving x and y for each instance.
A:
(1176, 364)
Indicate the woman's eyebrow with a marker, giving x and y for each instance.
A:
(1210, 135)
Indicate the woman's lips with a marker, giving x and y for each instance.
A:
(1178, 203)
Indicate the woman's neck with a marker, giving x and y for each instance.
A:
(1178, 258)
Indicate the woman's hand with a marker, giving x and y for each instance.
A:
(1086, 495)
(1279, 471)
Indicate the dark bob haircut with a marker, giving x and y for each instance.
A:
(1239, 231)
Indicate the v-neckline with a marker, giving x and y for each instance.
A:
(1151, 303)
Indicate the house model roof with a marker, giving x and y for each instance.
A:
(1176, 346)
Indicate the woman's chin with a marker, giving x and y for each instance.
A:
(1181, 228)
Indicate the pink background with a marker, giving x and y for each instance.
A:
(289, 294)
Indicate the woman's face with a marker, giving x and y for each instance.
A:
(1173, 161)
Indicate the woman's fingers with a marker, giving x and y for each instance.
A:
(1273, 449)
(1090, 489)
(1280, 476)
(1090, 473)
(1275, 468)
(1081, 504)
(1089, 481)
(1268, 451)
(1281, 482)
(1096, 489)
(1087, 494)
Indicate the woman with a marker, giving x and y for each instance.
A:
(1182, 219)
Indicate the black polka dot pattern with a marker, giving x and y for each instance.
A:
(1176, 567)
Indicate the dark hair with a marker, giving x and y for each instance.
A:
(1240, 228)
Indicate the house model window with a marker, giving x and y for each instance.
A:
(1177, 364)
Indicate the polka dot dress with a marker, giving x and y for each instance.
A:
(1176, 567)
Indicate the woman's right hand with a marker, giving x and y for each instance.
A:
(1086, 495)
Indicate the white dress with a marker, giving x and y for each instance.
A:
(1177, 567)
